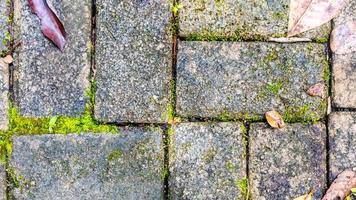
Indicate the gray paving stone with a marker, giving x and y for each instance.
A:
(254, 19)
(4, 95)
(2, 182)
(342, 142)
(3, 24)
(89, 166)
(133, 59)
(47, 81)
(207, 160)
(344, 68)
(233, 78)
(287, 163)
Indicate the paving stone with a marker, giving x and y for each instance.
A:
(48, 81)
(133, 59)
(254, 19)
(342, 142)
(89, 166)
(3, 24)
(2, 182)
(287, 163)
(233, 78)
(207, 160)
(4, 93)
(344, 68)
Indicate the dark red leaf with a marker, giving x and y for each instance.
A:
(51, 26)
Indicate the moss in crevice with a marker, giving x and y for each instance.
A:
(243, 186)
(303, 114)
(228, 117)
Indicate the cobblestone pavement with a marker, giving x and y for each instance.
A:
(149, 103)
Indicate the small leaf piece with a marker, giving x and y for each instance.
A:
(342, 185)
(343, 38)
(274, 119)
(52, 123)
(8, 59)
(308, 196)
(353, 190)
(317, 90)
(51, 26)
(308, 14)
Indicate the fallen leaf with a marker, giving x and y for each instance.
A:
(317, 90)
(353, 190)
(308, 196)
(343, 38)
(274, 119)
(51, 26)
(342, 185)
(308, 14)
(348, 198)
(8, 59)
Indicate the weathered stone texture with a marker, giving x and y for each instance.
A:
(207, 160)
(254, 19)
(4, 95)
(90, 166)
(48, 81)
(229, 78)
(3, 24)
(342, 133)
(133, 58)
(2, 182)
(287, 163)
(344, 67)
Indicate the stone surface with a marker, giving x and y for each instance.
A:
(207, 160)
(3, 24)
(47, 81)
(344, 68)
(133, 60)
(233, 78)
(342, 142)
(287, 163)
(2, 182)
(90, 166)
(4, 95)
(248, 20)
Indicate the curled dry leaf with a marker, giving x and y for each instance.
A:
(275, 119)
(343, 38)
(308, 14)
(342, 185)
(317, 90)
(51, 26)
(308, 196)
(8, 59)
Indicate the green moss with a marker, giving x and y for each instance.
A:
(302, 114)
(175, 7)
(114, 155)
(327, 75)
(239, 35)
(228, 117)
(230, 166)
(243, 186)
(270, 57)
(169, 115)
(321, 40)
(279, 16)
(274, 88)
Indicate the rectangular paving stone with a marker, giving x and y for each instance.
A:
(128, 165)
(342, 142)
(287, 163)
(2, 182)
(49, 82)
(133, 60)
(344, 67)
(246, 79)
(4, 95)
(4, 14)
(207, 161)
(240, 19)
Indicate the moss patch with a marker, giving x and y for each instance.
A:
(242, 185)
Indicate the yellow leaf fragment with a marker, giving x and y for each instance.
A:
(274, 119)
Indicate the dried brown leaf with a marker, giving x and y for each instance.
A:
(317, 90)
(342, 185)
(275, 119)
(8, 59)
(308, 196)
(308, 14)
(343, 38)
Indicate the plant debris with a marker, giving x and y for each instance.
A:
(8, 59)
(317, 90)
(342, 185)
(274, 119)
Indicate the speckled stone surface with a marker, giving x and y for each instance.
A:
(287, 163)
(3, 24)
(90, 166)
(206, 161)
(133, 60)
(344, 67)
(233, 78)
(2, 182)
(342, 133)
(47, 81)
(253, 19)
(4, 95)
